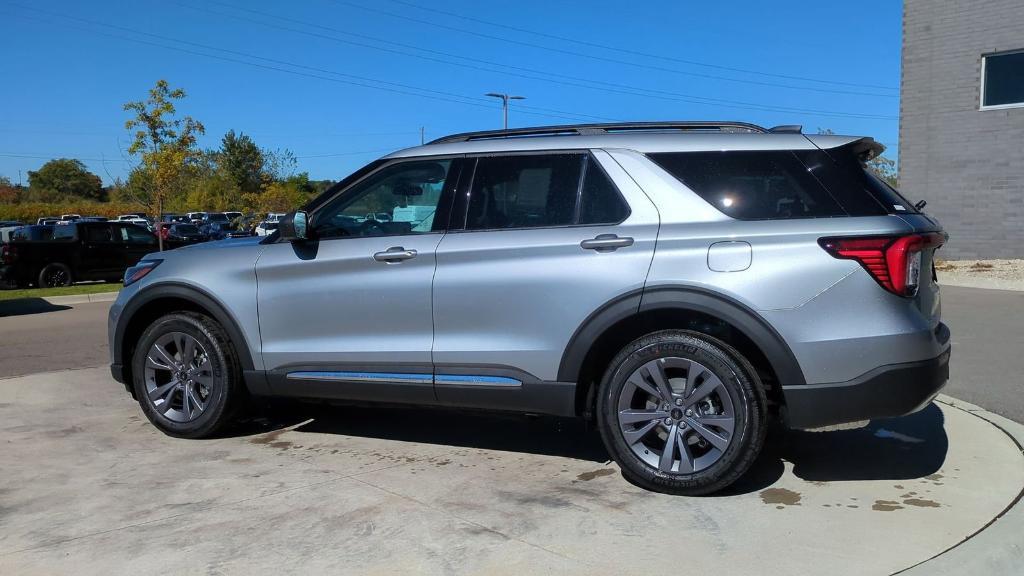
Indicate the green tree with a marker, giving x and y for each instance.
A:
(64, 179)
(242, 161)
(165, 145)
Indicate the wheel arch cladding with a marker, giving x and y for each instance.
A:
(632, 315)
(155, 301)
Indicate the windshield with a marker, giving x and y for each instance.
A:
(217, 218)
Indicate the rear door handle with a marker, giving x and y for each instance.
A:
(606, 243)
(394, 254)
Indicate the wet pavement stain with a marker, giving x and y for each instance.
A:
(781, 496)
(921, 503)
(587, 476)
(886, 506)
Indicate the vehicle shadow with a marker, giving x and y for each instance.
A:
(904, 448)
(542, 435)
(26, 306)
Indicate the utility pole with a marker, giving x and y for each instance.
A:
(504, 103)
(421, 135)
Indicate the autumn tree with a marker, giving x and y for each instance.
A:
(165, 146)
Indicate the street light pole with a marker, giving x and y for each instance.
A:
(504, 103)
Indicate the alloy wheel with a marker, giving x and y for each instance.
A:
(179, 377)
(676, 415)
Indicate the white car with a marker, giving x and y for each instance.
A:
(275, 216)
(265, 228)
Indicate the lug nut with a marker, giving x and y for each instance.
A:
(679, 401)
(668, 421)
(689, 412)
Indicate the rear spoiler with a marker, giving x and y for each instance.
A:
(865, 148)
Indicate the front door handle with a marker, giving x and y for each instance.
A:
(606, 243)
(394, 254)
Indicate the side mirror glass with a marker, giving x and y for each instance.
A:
(293, 226)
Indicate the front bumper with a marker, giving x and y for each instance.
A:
(885, 392)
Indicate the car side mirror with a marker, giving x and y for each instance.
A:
(293, 226)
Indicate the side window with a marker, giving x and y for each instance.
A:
(98, 234)
(526, 191)
(64, 232)
(600, 201)
(398, 200)
(132, 234)
(760, 185)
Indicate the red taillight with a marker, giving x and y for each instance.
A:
(893, 261)
(8, 254)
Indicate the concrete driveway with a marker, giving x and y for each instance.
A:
(89, 487)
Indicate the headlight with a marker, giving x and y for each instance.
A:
(139, 271)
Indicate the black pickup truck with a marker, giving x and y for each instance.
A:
(77, 251)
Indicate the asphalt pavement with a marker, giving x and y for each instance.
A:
(987, 367)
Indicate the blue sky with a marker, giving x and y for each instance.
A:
(340, 82)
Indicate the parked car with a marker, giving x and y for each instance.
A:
(47, 221)
(175, 218)
(680, 284)
(265, 228)
(94, 219)
(215, 230)
(70, 217)
(182, 232)
(196, 217)
(77, 251)
(7, 228)
(231, 216)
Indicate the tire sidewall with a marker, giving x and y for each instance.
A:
(52, 266)
(222, 372)
(738, 385)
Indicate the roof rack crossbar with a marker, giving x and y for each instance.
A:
(603, 128)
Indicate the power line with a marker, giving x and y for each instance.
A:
(600, 58)
(56, 156)
(636, 52)
(613, 87)
(360, 81)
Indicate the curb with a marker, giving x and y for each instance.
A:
(997, 548)
(81, 298)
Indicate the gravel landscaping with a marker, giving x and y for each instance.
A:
(997, 274)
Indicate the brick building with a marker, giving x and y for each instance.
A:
(962, 121)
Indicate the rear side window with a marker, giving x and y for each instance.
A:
(752, 185)
(600, 201)
(860, 191)
(527, 191)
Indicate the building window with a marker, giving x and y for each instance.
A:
(1002, 80)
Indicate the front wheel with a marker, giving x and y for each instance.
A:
(186, 376)
(682, 413)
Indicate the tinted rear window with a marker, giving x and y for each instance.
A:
(854, 183)
(752, 185)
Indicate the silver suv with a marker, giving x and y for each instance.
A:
(680, 283)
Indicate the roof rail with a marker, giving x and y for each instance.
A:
(603, 128)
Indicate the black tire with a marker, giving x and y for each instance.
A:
(54, 275)
(740, 383)
(227, 394)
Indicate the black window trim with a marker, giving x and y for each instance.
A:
(315, 206)
(461, 209)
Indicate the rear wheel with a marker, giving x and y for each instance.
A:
(186, 375)
(681, 412)
(54, 275)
